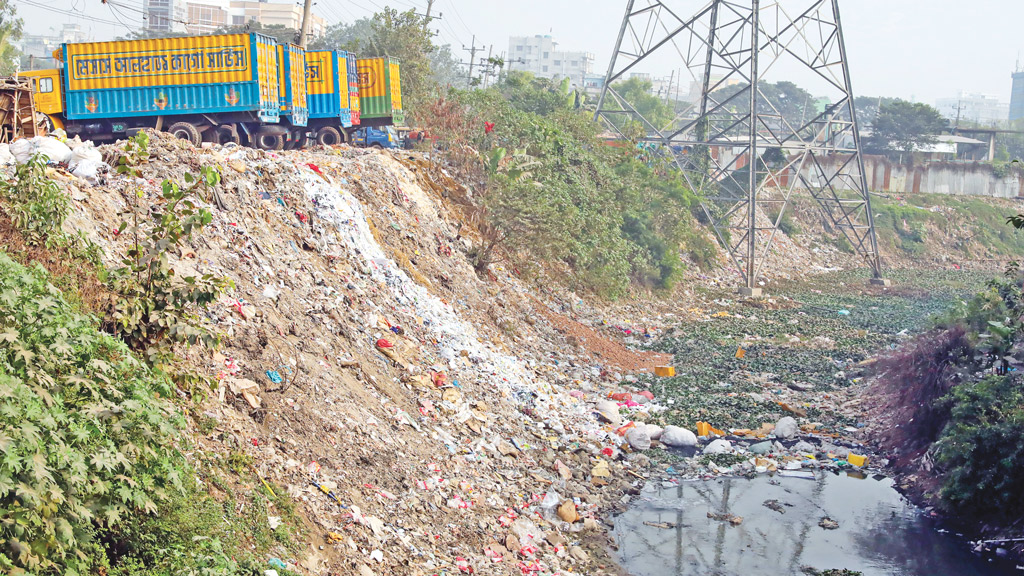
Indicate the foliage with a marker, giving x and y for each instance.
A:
(555, 192)
(85, 440)
(37, 204)
(905, 127)
(10, 32)
(344, 36)
(638, 93)
(156, 307)
(793, 104)
(981, 449)
(868, 107)
(282, 33)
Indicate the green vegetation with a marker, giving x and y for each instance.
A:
(901, 127)
(156, 309)
(10, 32)
(86, 441)
(713, 385)
(555, 192)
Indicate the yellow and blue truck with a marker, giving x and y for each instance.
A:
(242, 88)
(199, 88)
(334, 104)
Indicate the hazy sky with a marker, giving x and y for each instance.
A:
(925, 49)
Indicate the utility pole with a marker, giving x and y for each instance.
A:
(472, 58)
(488, 66)
(668, 93)
(307, 10)
(430, 6)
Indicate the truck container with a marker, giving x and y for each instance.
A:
(380, 92)
(333, 94)
(291, 61)
(212, 88)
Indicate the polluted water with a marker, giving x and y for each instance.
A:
(782, 526)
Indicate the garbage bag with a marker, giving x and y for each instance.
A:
(90, 170)
(85, 151)
(6, 157)
(52, 148)
(21, 149)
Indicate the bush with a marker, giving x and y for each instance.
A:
(981, 449)
(911, 383)
(36, 204)
(85, 438)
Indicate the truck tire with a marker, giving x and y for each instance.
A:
(224, 134)
(270, 141)
(186, 131)
(329, 136)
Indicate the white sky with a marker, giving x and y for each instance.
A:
(921, 49)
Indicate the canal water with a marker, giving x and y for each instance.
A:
(667, 531)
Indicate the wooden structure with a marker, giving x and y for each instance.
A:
(17, 111)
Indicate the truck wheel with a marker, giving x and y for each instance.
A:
(185, 131)
(329, 136)
(225, 134)
(270, 141)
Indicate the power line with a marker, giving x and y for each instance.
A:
(70, 13)
(459, 16)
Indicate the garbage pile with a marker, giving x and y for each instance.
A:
(82, 159)
(424, 420)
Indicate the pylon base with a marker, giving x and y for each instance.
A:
(880, 282)
(748, 292)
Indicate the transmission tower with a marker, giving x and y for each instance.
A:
(743, 144)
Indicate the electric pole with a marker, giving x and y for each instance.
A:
(487, 66)
(472, 59)
(430, 6)
(306, 13)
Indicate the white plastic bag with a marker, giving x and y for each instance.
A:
(52, 148)
(6, 157)
(21, 149)
(89, 170)
(84, 151)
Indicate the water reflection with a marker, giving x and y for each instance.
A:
(879, 533)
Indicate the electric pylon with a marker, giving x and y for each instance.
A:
(742, 143)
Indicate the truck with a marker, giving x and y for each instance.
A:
(334, 102)
(380, 92)
(201, 88)
(291, 62)
(384, 137)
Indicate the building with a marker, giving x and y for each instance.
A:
(969, 108)
(540, 55)
(200, 17)
(39, 47)
(1017, 96)
(165, 16)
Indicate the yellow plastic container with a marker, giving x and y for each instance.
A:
(665, 371)
(857, 460)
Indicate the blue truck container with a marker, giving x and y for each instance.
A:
(233, 73)
(333, 94)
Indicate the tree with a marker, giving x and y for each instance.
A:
(904, 127)
(342, 36)
(637, 92)
(868, 107)
(282, 33)
(10, 31)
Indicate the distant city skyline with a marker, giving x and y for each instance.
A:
(925, 50)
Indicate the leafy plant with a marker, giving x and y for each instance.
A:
(85, 440)
(37, 205)
(157, 308)
(981, 449)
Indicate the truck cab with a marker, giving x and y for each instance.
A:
(47, 90)
(384, 137)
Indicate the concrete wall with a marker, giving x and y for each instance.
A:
(958, 179)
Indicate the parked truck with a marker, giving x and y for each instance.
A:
(380, 92)
(334, 103)
(200, 88)
(291, 62)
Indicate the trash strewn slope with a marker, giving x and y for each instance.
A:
(425, 419)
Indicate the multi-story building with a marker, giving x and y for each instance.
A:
(199, 17)
(972, 108)
(1017, 96)
(540, 55)
(165, 16)
(39, 47)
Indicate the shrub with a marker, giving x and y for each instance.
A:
(911, 382)
(981, 449)
(85, 439)
(36, 204)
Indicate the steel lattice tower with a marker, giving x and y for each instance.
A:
(739, 145)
